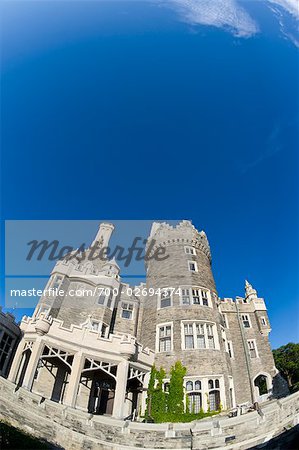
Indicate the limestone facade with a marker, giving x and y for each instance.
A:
(94, 351)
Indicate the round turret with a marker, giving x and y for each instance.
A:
(181, 320)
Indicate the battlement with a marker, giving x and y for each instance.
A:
(77, 338)
(184, 233)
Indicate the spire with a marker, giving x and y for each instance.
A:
(104, 234)
(250, 292)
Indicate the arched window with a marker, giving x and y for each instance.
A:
(211, 384)
(166, 387)
(197, 385)
(189, 386)
(217, 384)
(261, 383)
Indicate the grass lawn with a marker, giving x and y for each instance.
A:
(11, 438)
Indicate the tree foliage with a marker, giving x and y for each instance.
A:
(287, 362)
(175, 400)
(156, 397)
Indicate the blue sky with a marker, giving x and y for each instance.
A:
(123, 111)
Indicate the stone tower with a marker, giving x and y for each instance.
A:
(183, 322)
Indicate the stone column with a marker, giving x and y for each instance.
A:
(36, 352)
(74, 380)
(16, 362)
(144, 393)
(205, 394)
(120, 390)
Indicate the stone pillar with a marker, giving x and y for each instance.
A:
(16, 362)
(120, 389)
(144, 393)
(74, 380)
(36, 352)
(223, 399)
(205, 394)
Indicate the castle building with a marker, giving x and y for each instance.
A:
(10, 334)
(93, 339)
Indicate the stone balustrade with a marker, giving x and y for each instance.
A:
(73, 430)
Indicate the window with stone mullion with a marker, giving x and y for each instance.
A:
(200, 335)
(165, 338)
(210, 334)
(189, 335)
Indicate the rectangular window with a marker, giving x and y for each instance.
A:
(192, 266)
(230, 349)
(224, 320)
(104, 331)
(5, 346)
(109, 301)
(95, 325)
(165, 338)
(185, 293)
(189, 338)
(190, 251)
(126, 310)
(165, 298)
(246, 321)
(194, 296)
(263, 321)
(101, 299)
(57, 282)
(200, 336)
(252, 349)
(204, 296)
(211, 342)
(197, 335)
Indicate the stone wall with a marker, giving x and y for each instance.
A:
(72, 429)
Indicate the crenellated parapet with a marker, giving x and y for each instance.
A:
(82, 338)
(183, 233)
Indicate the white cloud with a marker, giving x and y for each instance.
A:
(292, 6)
(218, 13)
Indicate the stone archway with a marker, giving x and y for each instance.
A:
(262, 387)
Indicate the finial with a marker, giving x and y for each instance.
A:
(250, 292)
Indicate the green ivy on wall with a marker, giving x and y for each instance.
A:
(169, 406)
